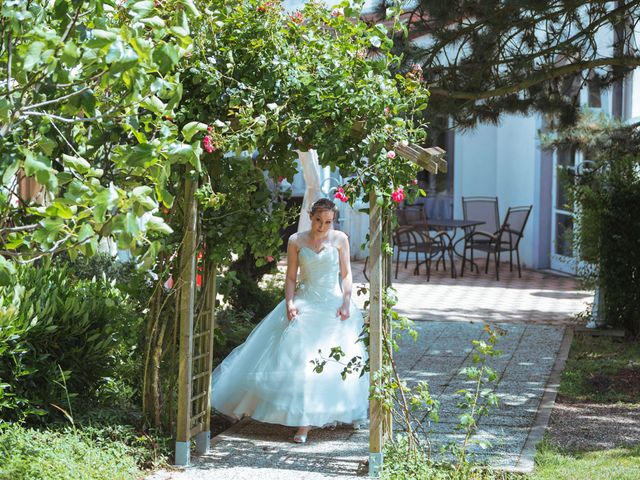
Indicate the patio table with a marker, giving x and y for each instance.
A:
(453, 224)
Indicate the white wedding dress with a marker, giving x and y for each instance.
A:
(270, 377)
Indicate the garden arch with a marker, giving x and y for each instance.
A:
(197, 319)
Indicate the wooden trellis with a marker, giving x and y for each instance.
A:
(197, 323)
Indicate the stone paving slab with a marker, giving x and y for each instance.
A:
(533, 310)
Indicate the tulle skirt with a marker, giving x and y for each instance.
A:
(271, 377)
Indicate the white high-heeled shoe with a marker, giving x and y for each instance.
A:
(300, 437)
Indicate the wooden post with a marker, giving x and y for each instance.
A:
(375, 334)
(203, 439)
(187, 300)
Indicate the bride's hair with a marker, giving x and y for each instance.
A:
(323, 204)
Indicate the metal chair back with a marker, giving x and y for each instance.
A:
(514, 223)
(484, 209)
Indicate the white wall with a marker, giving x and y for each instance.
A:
(499, 161)
(475, 167)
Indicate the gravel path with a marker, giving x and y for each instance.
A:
(533, 310)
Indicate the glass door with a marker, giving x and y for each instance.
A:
(562, 212)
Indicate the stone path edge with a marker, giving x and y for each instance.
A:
(526, 462)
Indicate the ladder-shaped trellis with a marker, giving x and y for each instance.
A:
(197, 323)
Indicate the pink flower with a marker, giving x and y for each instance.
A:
(269, 258)
(391, 154)
(297, 17)
(398, 195)
(337, 12)
(340, 195)
(209, 129)
(415, 181)
(387, 110)
(207, 144)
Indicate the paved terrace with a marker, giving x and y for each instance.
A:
(534, 311)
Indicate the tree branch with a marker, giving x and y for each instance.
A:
(56, 100)
(538, 78)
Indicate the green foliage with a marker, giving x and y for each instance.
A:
(401, 462)
(606, 195)
(27, 454)
(598, 369)
(555, 463)
(50, 321)
(248, 223)
(87, 91)
(477, 400)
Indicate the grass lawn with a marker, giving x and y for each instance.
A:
(553, 463)
(602, 370)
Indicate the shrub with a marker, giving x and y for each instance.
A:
(52, 322)
(609, 229)
(27, 454)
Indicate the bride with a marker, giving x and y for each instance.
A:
(271, 377)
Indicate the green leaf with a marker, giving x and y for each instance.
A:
(142, 8)
(101, 38)
(156, 224)
(33, 56)
(7, 271)
(191, 128)
(8, 176)
(85, 232)
(182, 153)
(155, 22)
(78, 164)
(166, 57)
(191, 7)
(155, 105)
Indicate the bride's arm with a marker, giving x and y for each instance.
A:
(292, 276)
(345, 272)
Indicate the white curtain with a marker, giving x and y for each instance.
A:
(311, 173)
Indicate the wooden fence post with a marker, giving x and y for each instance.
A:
(375, 334)
(186, 305)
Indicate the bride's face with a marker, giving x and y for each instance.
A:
(322, 221)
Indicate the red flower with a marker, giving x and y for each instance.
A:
(398, 195)
(269, 258)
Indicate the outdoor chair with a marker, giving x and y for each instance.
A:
(413, 235)
(506, 239)
(484, 209)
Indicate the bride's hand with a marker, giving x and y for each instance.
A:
(343, 312)
(292, 311)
